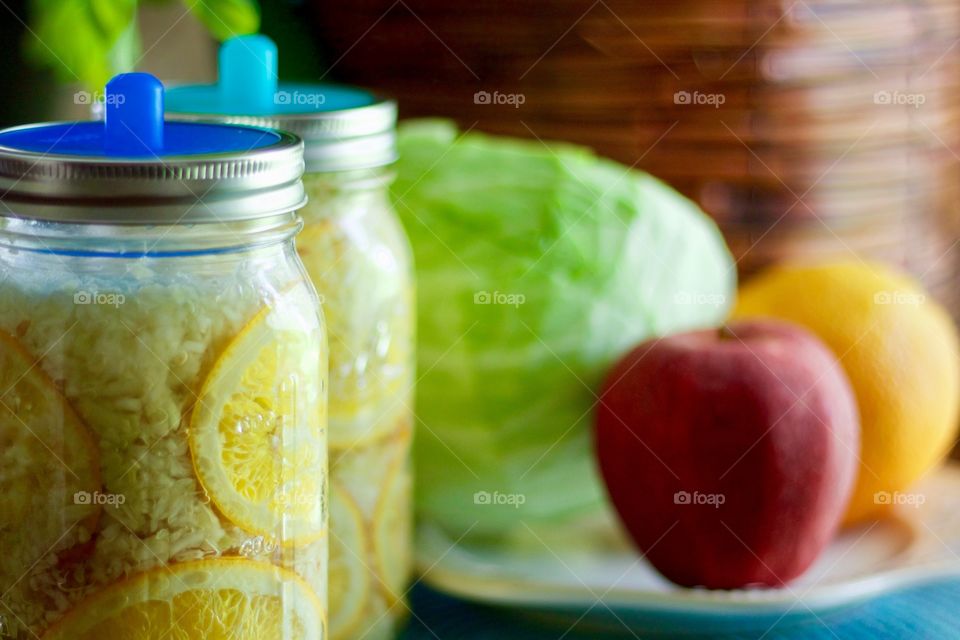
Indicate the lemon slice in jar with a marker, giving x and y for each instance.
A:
(49, 467)
(367, 306)
(256, 436)
(364, 471)
(366, 423)
(349, 585)
(216, 599)
(393, 532)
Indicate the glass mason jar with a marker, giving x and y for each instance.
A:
(359, 259)
(162, 386)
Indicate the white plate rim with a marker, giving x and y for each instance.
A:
(803, 599)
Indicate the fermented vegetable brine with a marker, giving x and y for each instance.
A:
(162, 382)
(359, 261)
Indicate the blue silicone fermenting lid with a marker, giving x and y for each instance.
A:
(134, 128)
(135, 168)
(342, 127)
(248, 85)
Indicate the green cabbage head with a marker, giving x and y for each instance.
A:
(537, 266)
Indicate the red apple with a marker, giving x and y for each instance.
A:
(729, 454)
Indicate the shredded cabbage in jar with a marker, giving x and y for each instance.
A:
(117, 355)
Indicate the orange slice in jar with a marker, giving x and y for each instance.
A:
(257, 433)
(215, 599)
(49, 468)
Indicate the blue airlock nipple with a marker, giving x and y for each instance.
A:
(248, 86)
(248, 74)
(134, 128)
(133, 125)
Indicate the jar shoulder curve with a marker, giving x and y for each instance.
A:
(258, 272)
(359, 259)
(346, 233)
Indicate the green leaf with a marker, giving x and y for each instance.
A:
(125, 53)
(227, 18)
(76, 37)
(112, 16)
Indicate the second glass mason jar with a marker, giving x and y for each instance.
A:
(162, 382)
(359, 259)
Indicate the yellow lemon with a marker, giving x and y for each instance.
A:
(364, 472)
(256, 439)
(50, 467)
(392, 533)
(215, 599)
(899, 349)
(369, 422)
(349, 576)
(368, 309)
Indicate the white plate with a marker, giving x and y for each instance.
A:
(589, 570)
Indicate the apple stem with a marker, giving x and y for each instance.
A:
(726, 333)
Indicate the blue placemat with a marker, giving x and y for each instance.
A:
(930, 612)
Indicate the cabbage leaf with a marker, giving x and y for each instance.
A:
(538, 265)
